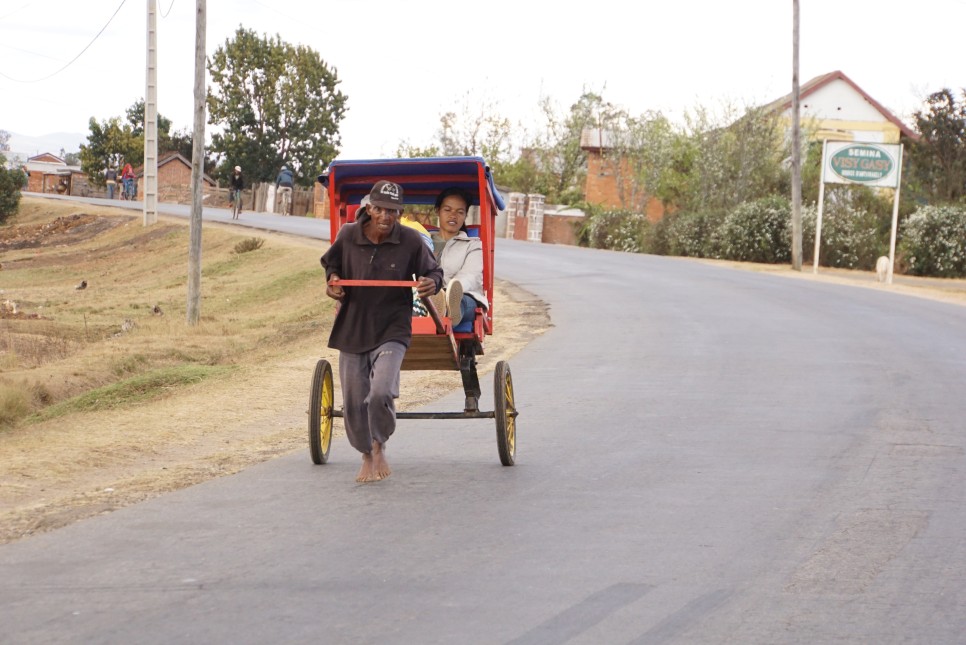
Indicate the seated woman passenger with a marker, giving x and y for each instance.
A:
(459, 255)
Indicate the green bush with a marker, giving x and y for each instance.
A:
(689, 234)
(250, 244)
(852, 238)
(934, 242)
(756, 231)
(617, 230)
(10, 183)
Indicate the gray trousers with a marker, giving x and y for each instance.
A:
(370, 387)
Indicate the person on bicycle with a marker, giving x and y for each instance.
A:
(283, 186)
(373, 325)
(236, 185)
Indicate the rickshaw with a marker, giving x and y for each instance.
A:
(436, 344)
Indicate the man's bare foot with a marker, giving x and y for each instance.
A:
(380, 467)
(366, 472)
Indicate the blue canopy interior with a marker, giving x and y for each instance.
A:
(422, 178)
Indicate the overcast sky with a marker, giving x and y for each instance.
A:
(403, 63)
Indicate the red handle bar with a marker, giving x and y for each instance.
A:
(440, 328)
(374, 283)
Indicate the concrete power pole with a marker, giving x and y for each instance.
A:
(151, 120)
(197, 170)
(796, 150)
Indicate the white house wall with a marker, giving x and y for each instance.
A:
(843, 113)
(839, 101)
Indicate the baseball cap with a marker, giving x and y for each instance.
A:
(237, 168)
(386, 194)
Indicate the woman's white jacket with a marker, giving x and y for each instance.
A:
(462, 259)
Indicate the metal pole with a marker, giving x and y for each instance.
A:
(197, 170)
(895, 220)
(796, 151)
(818, 216)
(151, 120)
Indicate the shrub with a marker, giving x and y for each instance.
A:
(617, 230)
(851, 237)
(934, 241)
(10, 183)
(14, 404)
(756, 231)
(689, 234)
(251, 244)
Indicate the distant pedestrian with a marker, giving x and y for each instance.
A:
(127, 180)
(110, 178)
(236, 186)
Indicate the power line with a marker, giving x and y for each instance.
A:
(165, 14)
(10, 13)
(37, 80)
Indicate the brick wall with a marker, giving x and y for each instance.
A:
(560, 229)
(35, 182)
(602, 187)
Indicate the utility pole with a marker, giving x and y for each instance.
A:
(197, 170)
(796, 150)
(151, 120)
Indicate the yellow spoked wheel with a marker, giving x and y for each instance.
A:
(506, 413)
(321, 402)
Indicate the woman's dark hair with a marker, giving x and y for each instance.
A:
(453, 190)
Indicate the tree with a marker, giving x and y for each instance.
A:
(135, 117)
(737, 158)
(10, 183)
(70, 158)
(109, 143)
(275, 104)
(555, 163)
(937, 161)
(474, 128)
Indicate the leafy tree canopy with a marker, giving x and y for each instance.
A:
(109, 144)
(117, 141)
(937, 161)
(274, 104)
(10, 183)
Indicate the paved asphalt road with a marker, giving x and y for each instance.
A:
(705, 455)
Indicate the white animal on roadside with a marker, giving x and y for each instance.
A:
(881, 268)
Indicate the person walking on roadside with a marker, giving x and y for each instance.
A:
(110, 178)
(283, 185)
(373, 325)
(236, 186)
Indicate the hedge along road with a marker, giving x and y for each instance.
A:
(705, 455)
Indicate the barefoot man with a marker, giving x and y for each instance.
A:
(373, 326)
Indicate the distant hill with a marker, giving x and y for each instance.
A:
(27, 146)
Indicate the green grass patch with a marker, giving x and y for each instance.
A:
(139, 389)
(294, 283)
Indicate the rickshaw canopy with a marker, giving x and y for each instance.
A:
(422, 178)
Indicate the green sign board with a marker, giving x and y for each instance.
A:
(861, 163)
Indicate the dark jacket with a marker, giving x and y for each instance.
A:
(371, 316)
(237, 181)
(285, 178)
